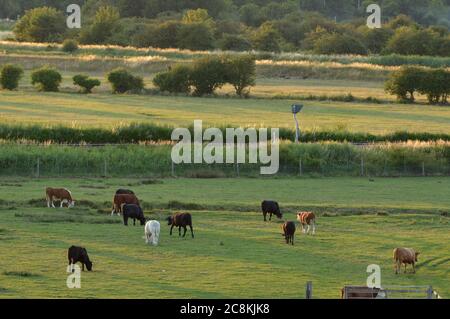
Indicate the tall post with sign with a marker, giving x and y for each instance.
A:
(296, 108)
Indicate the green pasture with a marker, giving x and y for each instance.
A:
(111, 110)
(234, 254)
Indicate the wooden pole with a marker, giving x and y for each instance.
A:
(309, 290)
(300, 168)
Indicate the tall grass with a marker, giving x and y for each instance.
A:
(327, 159)
(141, 133)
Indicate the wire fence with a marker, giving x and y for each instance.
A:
(39, 167)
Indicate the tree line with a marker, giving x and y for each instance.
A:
(245, 25)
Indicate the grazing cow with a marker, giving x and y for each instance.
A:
(132, 211)
(307, 220)
(180, 220)
(288, 232)
(405, 256)
(124, 191)
(61, 194)
(151, 230)
(270, 207)
(120, 199)
(79, 254)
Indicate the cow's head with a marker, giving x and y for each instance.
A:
(278, 213)
(71, 203)
(169, 220)
(416, 254)
(88, 265)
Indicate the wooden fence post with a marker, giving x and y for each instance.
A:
(309, 290)
(430, 292)
(237, 169)
(300, 168)
(173, 168)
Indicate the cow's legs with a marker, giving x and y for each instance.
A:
(270, 216)
(405, 268)
(134, 221)
(82, 266)
(185, 229)
(414, 267)
(171, 230)
(264, 214)
(192, 231)
(51, 199)
(179, 231)
(303, 228)
(314, 228)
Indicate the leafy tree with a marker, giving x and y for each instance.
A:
(123, 81)
(405, 82)
(436, 86)
(195, 36)
(336, 43)
(176, 80)
(250, 14)
(10, 76)
(86, 83)
(198, 16)
(411, 41)
(104, 25)
(241, 73)
(208, 74)
(234, 43)
(375, 39)
(46, 79)
(267, 38)
(41, 25)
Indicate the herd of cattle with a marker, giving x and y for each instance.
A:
(125, 202)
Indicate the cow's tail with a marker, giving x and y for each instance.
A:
(395, 254)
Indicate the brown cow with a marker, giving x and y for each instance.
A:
(180, 220)
(120, 199)
(405, 256)
(61, 194)
(288, 232)
(307, 220)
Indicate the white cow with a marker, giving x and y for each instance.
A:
(151, 229)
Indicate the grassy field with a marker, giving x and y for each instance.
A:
(110, 110)
(234, 254)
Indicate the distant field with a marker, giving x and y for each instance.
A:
(235, 254)
(109, 110)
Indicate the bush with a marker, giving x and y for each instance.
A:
(46, 79)
(410, 41)
(405, 81)
(41, 25)
(241, 73)
(267, 38)
(86, 83)
(106, 23)
(176, 80)
(208, 74)
(69, 45)
(123, 81)
(10, 76)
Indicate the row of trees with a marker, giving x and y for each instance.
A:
(199, 30)
(204, 76)
(207, 74)
(250, 12)
(434, 83)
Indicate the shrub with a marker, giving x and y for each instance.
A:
(208, 74)
(69, 45)
(106, 23)
(86, 83)
(241, 73)
(410, 41)
(176, 80)
(40, 25)
(267, 38)
(405, 81)
(46, 79)
(123, 81)
(10, 76)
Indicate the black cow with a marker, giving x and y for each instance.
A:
(124, 191)
(79, 254)
(132, 211)
(271, 207)
(288, 232)
(180, 220)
